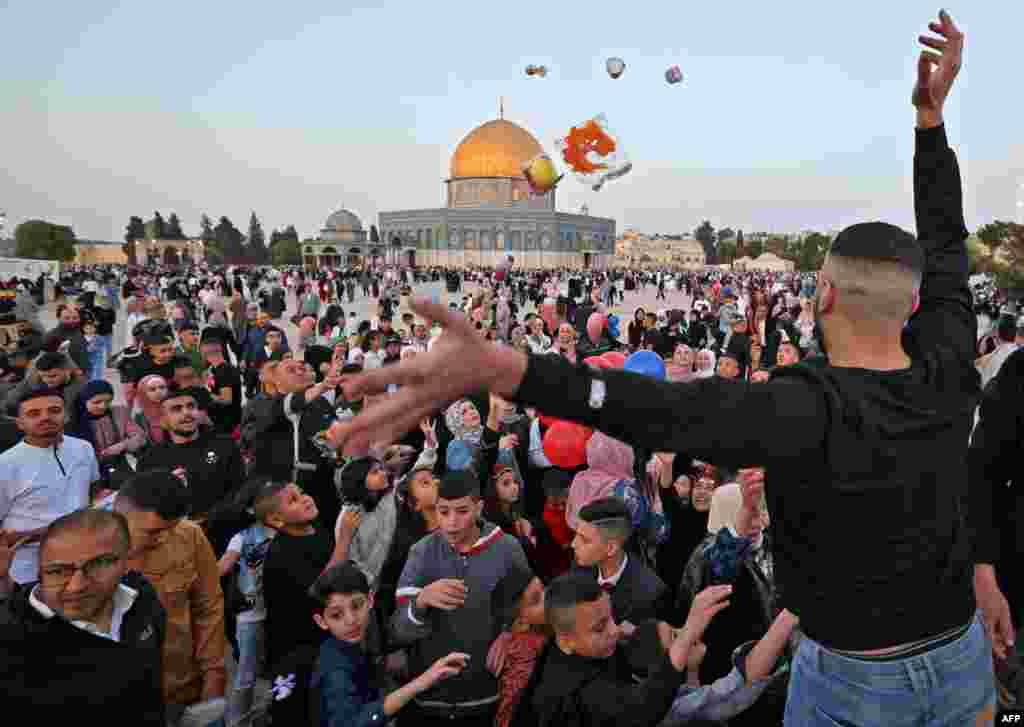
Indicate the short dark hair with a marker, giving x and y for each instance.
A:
(90, 519)
(156, 491)
(188, 326)
(51, 360)
(879, 242)
(343, 578)
(174, 391)
(610, 516)
(459, 484)
(564, 594)
(37, 392)
(264, 496)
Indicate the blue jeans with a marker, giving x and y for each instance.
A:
(948, 686)
(251, 654)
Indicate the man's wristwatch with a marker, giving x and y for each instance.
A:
(598, 391)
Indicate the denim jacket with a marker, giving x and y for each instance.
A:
(349, 692)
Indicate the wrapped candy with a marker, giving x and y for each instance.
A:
(594, 153)
(541, 174)
(673, 75)
(532, 70)
(615, 67)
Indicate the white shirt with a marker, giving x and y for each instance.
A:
(124, 598)
(39, 485)
(613, 580)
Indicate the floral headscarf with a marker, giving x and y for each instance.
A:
(455, 420)
(677, 369)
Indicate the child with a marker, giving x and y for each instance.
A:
(351, 694)
(514, 654)
(248, 550)
(554, 540)
(297, 555)
(94, 350)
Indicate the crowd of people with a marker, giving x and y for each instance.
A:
(510, 507)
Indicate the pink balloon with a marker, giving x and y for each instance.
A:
(598, 362)
(595, 326)
(306, 325)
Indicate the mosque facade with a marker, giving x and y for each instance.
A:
(490, 214)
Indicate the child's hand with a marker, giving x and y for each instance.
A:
(445, 667)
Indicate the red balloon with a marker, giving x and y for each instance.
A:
(565, 444)
(599, 362)
(615, 358)
(546, 421)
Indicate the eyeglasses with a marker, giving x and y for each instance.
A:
(60, 574)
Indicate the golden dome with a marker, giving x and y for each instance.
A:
(498, 148)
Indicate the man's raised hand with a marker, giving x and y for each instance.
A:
(937, 69)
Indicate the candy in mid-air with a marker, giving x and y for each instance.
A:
(673, 75)
(541, 174)
(615, 67)
(594, 153)
(532, 70)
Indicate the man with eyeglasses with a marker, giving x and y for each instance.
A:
(85, 642)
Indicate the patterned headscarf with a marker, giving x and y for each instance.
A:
(455, 420)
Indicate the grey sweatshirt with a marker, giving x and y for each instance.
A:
(470, 629)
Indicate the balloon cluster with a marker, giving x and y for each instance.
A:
(532, 70)
(594, 152)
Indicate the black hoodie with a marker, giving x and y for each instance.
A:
(53, 672)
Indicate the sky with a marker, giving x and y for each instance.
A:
(792, 115)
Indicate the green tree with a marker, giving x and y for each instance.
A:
(755, 247)
(229, 241)
(811, 253)
(172, 230)
(726, 251)
(705, 235)
(257, 252)
(726, 233)
(156, 227)
(41, 240)
(206, 229)
(286, 252)
(994, 233)
(136, 230)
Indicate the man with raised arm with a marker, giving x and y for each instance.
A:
(865, 454)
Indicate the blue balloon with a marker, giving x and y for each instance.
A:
(647, 363)
(613, 327)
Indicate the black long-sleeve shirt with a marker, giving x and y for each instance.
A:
(866, 470)
(997, 501)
